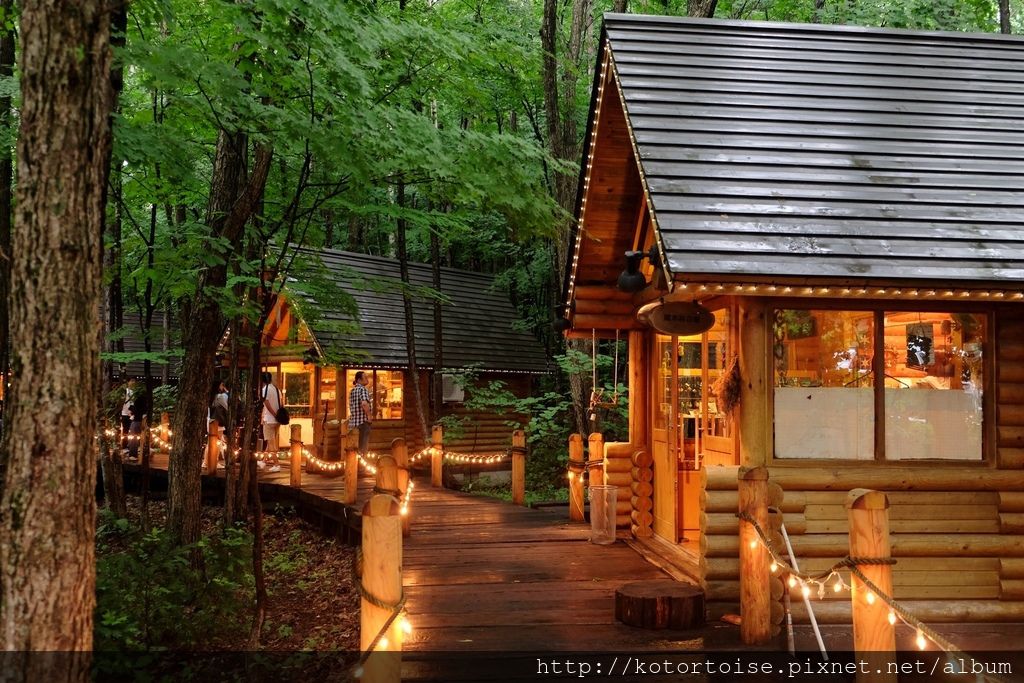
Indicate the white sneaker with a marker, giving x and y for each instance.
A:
(274, 468)
(260, 465)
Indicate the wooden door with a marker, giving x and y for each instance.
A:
(719, 443)
(663, 447)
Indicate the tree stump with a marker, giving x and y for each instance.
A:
(660, 604)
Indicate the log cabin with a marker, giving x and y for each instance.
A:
(313, 345)
(846, 203)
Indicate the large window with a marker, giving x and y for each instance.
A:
(863, 385)
(386, 390)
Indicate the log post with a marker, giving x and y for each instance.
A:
(165, 432)
(400, 452)
(351, 466)
(518, 467)
(874, 638)
(638, 389)
(296, 462)
(387, 478)
(576, 469)
(213, 448)
(754, 421)
(596, 454)
(381, 578)
(755, 575)
(436, 456)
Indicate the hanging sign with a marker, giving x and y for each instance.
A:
(680, 318)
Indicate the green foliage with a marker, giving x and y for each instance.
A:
(149, 594)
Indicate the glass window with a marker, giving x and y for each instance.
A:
(824, 396)
(296, 384)
(386, 389)
(663, 388)
(328, 391)
(933, 385)
(826, 386)
(719, 359)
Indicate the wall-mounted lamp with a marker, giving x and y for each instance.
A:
(631, 279)
(562, 323)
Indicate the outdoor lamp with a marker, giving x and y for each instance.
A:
(631, 279)
(561, 323)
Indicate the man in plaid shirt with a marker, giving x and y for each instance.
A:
(360, 412)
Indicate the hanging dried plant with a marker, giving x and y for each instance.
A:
(727, 387)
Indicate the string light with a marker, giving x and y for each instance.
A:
(921, 642)
(774, 566)
(753, 544)
(792, 582)
(892, 618)
(406, 626)
(870, 597)
(806, 591)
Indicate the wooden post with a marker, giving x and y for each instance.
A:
(400, 452)
(638, 389)
(874, 638)
(213, 448)
(755, 575)
(754, 420)
(351, 466)
(387, 477)
(576, 469)
(165, 432)
(296, 469)
(596, 453)
(436, 456)
(518, 467)
(381, 578)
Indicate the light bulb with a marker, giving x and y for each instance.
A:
(406, 626)
(806, 591)
(753, 544)
(837, 586)
(792, 582)
(384, 642)
(870, 598)
(921, 642)
(774, 567)
(892, 618)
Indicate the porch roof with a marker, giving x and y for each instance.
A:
(478, 320)
(772, 150)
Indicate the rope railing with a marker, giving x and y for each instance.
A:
(896, 610)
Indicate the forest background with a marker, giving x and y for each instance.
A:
(445, 131)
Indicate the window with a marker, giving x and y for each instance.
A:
(828, 396)
(386, 390)
(295, 380)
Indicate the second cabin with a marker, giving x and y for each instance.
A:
(314, 361)
(819, 234)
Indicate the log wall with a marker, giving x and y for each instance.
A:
(957, 530)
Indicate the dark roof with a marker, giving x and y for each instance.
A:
(835, 151)
(478, 320)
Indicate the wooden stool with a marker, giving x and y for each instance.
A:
(660, 604)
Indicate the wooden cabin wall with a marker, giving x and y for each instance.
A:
(488, 432)
(957, 530)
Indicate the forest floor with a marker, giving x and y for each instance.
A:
(313, 601)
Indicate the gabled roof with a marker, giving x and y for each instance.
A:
(772, 149)
(478, 320)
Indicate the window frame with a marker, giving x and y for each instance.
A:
(879, 308)
(348, 388)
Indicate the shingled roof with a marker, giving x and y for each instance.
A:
(826, 151)
(478, 320)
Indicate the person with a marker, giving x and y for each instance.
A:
(360, 410)
(218, 408)
(126, 416)
(138, 410)
(271, 404)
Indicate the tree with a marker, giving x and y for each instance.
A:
(47, 510)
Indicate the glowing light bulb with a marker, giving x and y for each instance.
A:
(792, 582)
(892, 618)
(837, 586)
(870, 597)
(806, 591)
(405, 510)
(774, 567)
(406, 626)
(384, 642)
(753, 545)
(921, 642)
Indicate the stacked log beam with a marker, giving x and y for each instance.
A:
(641, 494)
(617, 468)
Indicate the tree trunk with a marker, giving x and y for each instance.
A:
(410, 329)
(701, 8)
(6, 178)
(1004, 16)
(229, 208)
(620, 6)
(48, 507)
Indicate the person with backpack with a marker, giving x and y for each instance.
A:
(272, 409)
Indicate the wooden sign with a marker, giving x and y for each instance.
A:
(680, 318)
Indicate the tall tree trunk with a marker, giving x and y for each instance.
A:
(48, 506)
(438, 383)
(229, 208)
(1004, 16)
(6, 179)
(701, 8)
(410, 328)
